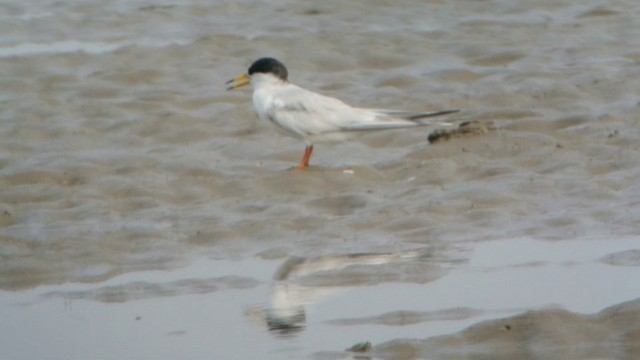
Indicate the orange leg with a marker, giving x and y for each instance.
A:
(304, 163)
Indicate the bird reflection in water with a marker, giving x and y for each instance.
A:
(303, 281)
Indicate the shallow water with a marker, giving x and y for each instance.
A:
(325, 303)
(133, 185)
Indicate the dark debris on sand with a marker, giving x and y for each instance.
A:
(465, 129)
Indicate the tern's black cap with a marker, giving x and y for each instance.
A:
(269, 66)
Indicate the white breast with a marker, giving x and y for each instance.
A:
(303, 113)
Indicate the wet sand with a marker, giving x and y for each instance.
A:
(124, 163)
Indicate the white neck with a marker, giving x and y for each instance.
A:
(259, 80)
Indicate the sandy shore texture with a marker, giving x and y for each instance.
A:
(542, 334)
(121, 152)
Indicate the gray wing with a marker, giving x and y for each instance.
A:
(415, 116)
(393, 119)
(306, 113)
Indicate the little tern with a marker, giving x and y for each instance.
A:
(313, 117)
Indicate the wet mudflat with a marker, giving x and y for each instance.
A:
(145, 212)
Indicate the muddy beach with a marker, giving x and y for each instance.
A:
(146, 212)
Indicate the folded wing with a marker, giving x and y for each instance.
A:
(305, 113)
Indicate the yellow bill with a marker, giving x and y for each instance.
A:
(238, 81)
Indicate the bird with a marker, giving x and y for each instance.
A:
(313, 117)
